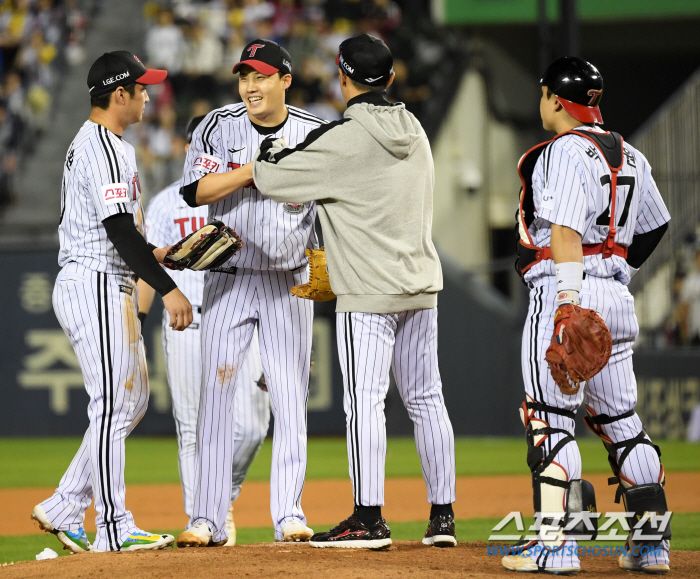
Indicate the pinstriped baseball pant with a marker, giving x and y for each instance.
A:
(368, 346)
(233, 306)
(613, 391)
(97, 312)
(182, 353)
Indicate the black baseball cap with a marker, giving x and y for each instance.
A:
(366, 59)
(194, 123)
(120, 68)
(265, 56)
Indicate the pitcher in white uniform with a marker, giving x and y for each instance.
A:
(252, 290)
(168, 219)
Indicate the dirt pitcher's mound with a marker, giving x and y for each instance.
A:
(404, 559)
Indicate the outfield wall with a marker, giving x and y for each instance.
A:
(479, 350)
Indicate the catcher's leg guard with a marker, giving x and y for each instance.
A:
(639, 499)
(580, 504)
(550, 481)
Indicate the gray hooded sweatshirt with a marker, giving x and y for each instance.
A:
(372, 176)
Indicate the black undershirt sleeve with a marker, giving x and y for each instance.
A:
(134, 250)
(643, 245)
(189, 194)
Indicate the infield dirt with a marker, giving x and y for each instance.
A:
(330, 501)
(404, 559)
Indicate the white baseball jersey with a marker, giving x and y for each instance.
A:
(275, 235)
(100, 179)
(95, 299)
(571, 186)
(254, 292)
(168, 220)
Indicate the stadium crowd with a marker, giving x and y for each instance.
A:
(199, 43)
(37, 38)
(682, 327)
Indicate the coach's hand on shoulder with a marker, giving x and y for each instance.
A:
(179, 308)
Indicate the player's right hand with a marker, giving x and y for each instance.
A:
(179, 308)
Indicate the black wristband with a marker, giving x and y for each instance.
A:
(142, 316)
(189, 194)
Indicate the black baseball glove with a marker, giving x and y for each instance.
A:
(206, 248)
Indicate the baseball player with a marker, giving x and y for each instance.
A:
(102, 250)
(252, 290)
(377, 218)
(168, 219)
(590, 215)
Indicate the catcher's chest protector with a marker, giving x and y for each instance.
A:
(610, 146)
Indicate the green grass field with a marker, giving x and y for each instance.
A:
(41, 462)
(37, 462)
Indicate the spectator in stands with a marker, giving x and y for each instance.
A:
(408, 90)
(690, 305)
(165, 44)
(13, 20)
(257, 10)
(160, 144)
(14, 93)
(32, 35)
(203, 57)
(10, 131)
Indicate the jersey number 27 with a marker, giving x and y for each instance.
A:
(604, 217)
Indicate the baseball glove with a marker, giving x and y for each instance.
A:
(580, 347)
(319, 286)
(206, 248)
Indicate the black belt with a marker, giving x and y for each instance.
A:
(230, 270)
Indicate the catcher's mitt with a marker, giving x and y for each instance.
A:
(580, 347)
(319, 286)
(206, 248)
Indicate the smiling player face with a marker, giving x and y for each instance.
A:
(263, 95)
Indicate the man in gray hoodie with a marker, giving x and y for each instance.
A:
(372, 176)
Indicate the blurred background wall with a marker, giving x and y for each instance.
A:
(468, 69)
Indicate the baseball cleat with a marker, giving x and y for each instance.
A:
(645, 563)
(523, 563)
(353, 534)
(441, 532)
(74, 541)
(230, 528)
(295, 531)
(629, 562)
(198, 535)
(139, 540)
